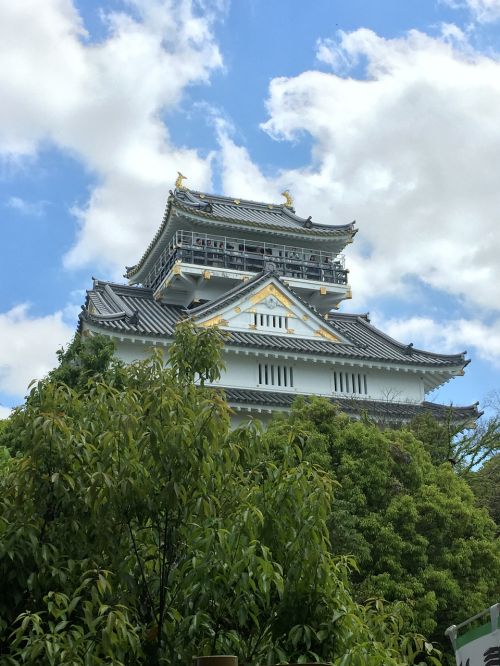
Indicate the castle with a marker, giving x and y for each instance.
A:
(273, 281)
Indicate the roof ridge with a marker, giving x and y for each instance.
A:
(264, 275)
(130, 289)
(183, 205)
(228, 294)
(401, 345)
(474, 405)
(231, 200)
(132, 270)
(222, 198)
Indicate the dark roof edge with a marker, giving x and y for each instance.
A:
(264, 205)
(100, 322)
(460, 358)
(341, 228)
(130, 271)
(272, 399)
(129, 289)
(237, 290)
(241, 289)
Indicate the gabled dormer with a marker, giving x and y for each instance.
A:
(267, 305)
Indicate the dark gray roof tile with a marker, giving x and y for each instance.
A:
(214, 208)
(379, 410)
(261, 213)
(158, 320)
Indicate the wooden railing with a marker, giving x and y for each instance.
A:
(248, 256)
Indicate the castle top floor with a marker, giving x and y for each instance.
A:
(207, 243)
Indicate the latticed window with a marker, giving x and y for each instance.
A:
(271, 374)
(350, 382)
(261, 320)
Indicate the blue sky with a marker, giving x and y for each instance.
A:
(385, 112)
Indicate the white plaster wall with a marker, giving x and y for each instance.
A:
(395, 386)
(317, 378)
(309, 377)
(313, 378)
(242, 372)
(129, 352)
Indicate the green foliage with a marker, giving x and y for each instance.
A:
(412, 526)
(478, 444)
(485, 482)
(4, 451)
(4, 460)
(85, 358)
(137, 528)
(466, 448)
(197, 357)
(437, 438)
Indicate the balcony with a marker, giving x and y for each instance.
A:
(248, 256)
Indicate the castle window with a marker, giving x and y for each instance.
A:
(354, 383)
(271, 374)
(277, 322)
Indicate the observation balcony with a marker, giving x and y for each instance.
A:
(193, 256)
(248, 256)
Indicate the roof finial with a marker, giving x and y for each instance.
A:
(289, 200)
(178, 182)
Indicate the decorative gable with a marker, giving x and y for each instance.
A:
(270, 307)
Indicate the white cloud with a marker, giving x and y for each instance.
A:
(408, 150)
(449, 336)
(5, 412)
(27, 208)
(103, 102)
(483, 11)
(27, 347)
(241, 177)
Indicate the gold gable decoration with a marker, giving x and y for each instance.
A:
(323, 333)
(271, 290)
(215, 321)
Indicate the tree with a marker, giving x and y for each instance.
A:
(412, 526)
(464, 446)
(86, 358)
(84, 361)
(485, 482)
(473, 447)
(137, 528)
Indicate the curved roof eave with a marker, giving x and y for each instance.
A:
(458, 358)
(363, 319)
(317, 231)
(130, 271)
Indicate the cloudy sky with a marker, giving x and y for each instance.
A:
(383, 111)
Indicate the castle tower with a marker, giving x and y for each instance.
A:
(273, 281)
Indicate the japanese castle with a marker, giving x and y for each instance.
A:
(273, 281)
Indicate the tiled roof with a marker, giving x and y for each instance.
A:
(242, 213)
(151, 317)
(373, 343)
(232, 295)
(379, 410)
(133, 310)
(255, 212)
